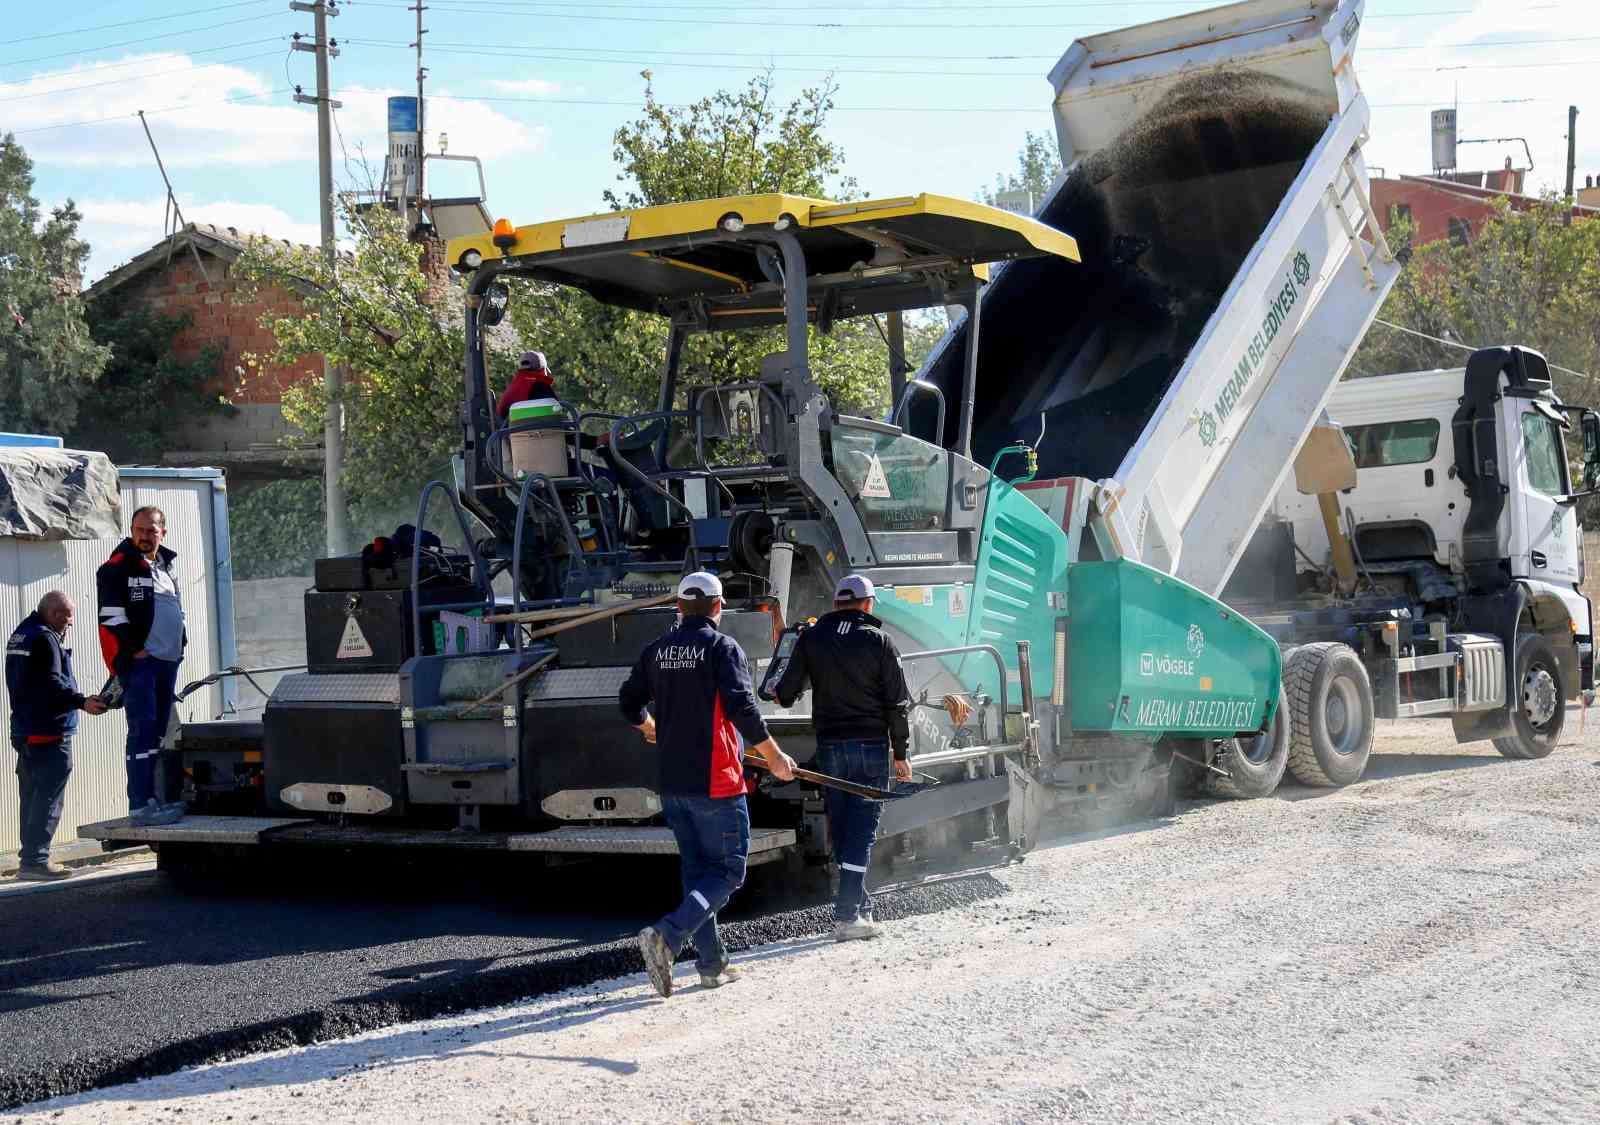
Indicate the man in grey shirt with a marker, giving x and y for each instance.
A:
(142, 638)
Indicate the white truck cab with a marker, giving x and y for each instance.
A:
(1459, 590)
(1410, 502)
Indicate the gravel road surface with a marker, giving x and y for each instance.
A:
(121, 974)
(1418, 947)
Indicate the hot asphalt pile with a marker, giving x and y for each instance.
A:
(129, 978)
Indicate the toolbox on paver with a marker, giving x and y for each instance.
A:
(336, 745)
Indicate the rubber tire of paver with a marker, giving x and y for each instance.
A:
(1534, 654)
(1255, 765)
(1323, 751)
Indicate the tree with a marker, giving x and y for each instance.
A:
(1038, 166)
(399, 332)
(1528, 277)
(145, 392)
(48, 360)
(730, 143)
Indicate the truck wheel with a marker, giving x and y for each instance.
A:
(1255, 765)
(1332, 717)
(1538, 710)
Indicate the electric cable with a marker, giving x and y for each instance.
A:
(1459, 346)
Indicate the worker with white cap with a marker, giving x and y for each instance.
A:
(860, 707)
(696, 683)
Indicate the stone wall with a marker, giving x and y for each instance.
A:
(270, 626)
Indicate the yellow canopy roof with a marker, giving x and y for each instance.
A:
(873, 254)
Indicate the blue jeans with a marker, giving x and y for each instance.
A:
(852, 821)
(42, 772)
(147, 692)
(713, 835)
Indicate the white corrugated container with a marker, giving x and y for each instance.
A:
(195, 502)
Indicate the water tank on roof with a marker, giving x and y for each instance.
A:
(1444, 139)
(405, 148)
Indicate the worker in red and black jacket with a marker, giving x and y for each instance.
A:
(698, 682)
(142, 638)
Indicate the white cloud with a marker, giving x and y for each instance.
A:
(218, 115)
(1503, 92)
(119, 229)
(538, 87)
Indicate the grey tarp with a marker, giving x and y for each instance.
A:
(58, 494)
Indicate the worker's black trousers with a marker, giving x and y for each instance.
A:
(42, 772)
(853, 821)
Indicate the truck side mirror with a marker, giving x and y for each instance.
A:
(1591, 450)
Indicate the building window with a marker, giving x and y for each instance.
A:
(1399, 213)
(1460, 231)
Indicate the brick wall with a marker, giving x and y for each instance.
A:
(221, 316)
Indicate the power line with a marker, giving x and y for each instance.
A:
(132, 77)
(149, 112)
(135, 42)
(131, 23)
(517, 54)
(1459, 346)
(477, 7)
(99, 67)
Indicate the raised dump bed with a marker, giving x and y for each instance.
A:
(1216, 190)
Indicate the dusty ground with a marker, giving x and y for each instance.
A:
(1418, 947)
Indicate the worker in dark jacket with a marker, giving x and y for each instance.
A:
(698, 683)
(142, 638)
(45, 702)
(860, 707)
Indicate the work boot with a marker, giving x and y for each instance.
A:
(43, 872)
(725, 975)
(657, 959)
(154, 814)
(858, 929)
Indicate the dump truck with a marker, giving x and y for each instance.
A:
(1425, 559)
(1194, 285)
(1183, 375)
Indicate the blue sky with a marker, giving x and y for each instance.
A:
(934, 95)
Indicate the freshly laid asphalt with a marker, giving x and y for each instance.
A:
(121, 978)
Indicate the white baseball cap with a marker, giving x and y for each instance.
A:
(854, 588)
(700, 584)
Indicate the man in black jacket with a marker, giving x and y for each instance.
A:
(45, 702)
(860, 707)
(698, 681)
(142, 638)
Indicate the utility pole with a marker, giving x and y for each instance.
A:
(338, 531)
(422, 135)
(1572, 151)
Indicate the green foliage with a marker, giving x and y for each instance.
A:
(1038, 165)
(731, 143)
(1526, 277)
(276, 528)
(48, 360)
(399, 334)
(146, 392)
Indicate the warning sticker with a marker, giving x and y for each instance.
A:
(353, 643)
(958, 601)
(916, 595)
(876, 486)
